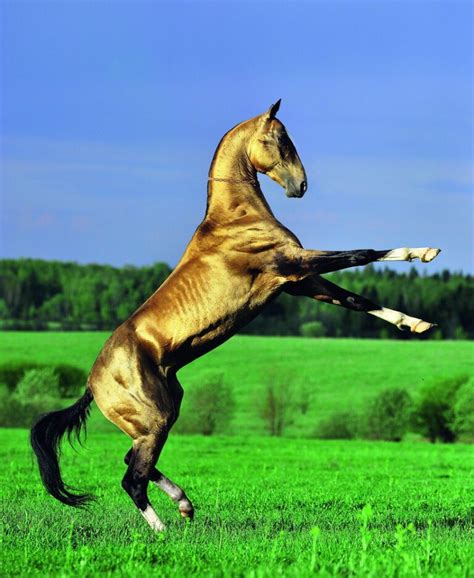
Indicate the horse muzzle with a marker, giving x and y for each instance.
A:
(296, 188)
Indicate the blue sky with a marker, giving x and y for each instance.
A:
(111, 113)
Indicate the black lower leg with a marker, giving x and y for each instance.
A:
(154, 475)
(332, 293)
(344, 259)
(135, 483)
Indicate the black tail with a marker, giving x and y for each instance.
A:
(45, 439)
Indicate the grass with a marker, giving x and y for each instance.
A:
(264, 507)
(338, 373)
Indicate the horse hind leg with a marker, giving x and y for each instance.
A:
(147, 423)
(175, 492)
(171, 489)
(185, 507)
(173, 402)
(143, 457)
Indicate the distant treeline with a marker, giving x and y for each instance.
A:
(38, 295)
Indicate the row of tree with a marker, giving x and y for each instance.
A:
(38, 294)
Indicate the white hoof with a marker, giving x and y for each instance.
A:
(429, 255)
(413, 324)
(153, 521)
(422, 326)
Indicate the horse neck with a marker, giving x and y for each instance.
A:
(240, 193)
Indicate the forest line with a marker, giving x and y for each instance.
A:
(38, 294)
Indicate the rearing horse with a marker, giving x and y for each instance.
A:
(239, 259)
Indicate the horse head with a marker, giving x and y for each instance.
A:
(272, 153)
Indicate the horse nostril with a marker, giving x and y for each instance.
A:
(303, 187)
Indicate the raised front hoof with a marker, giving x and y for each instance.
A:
(415, 326)
(422, 326)
(429, 255)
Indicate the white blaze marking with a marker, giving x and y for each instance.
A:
(425, 254)
(154, 522)
(401, 320)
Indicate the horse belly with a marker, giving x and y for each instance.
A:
(213, 311)
(200, 306)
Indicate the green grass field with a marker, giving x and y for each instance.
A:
(339, 373)
(264, 506)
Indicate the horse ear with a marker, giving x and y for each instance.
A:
(271, 112)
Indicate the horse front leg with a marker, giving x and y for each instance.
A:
(321, 289)
(296, 263)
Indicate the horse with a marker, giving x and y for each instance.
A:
(239, 259)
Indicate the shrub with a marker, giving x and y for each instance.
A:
(37, 385)
(276, 407)
(37, 393)
(71, 379)
(388, 415)
(14, 413)
(434, 411)
(303, 399)
(462, 422)
(312, 329)
(341, 425)
(209, 407)
(12, 372)
(11, 411)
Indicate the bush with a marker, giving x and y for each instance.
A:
(388, 415)
(37, 385)
(341, 425)
(303, 399)
(462, 422)
(71, 379)
(209, 407)
(312, 329)
(434, 411)
(14, 413)
(276, 407)
(12, 372)
(37, 393)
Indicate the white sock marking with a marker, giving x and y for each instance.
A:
(425, 254)
(401, 320)
(177, 495)
(154, 522)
